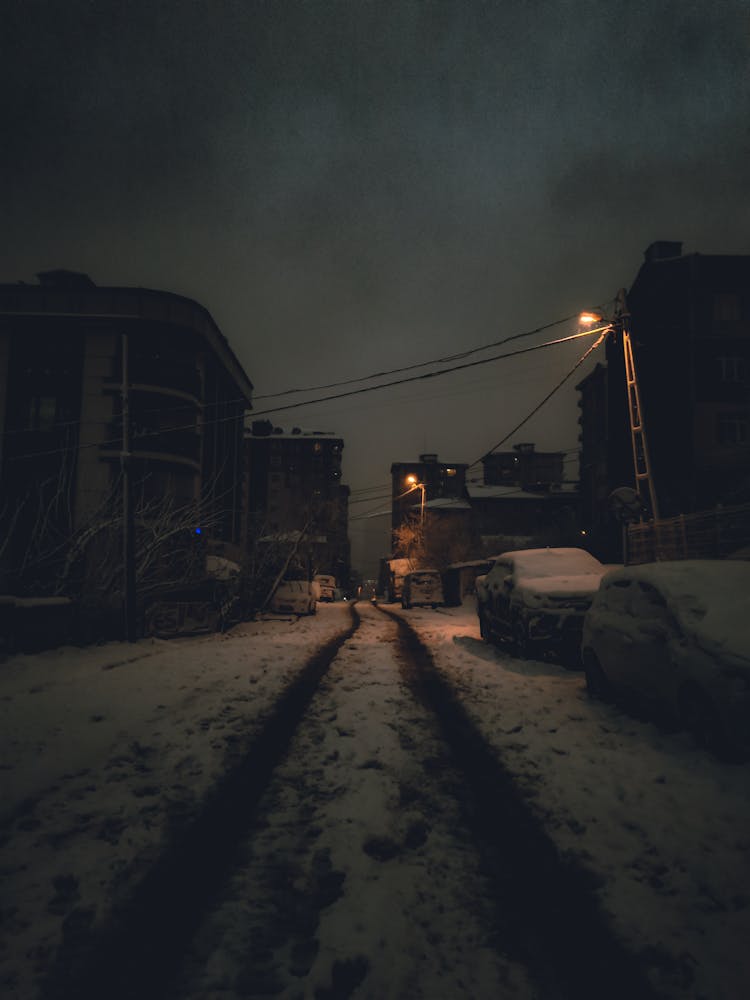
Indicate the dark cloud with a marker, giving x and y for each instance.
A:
(344, 182)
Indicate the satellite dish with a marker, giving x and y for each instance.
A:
(626, 504)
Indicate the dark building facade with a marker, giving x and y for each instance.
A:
(510, 517)
(690, 328)
(294, 492)
(524, 466)
(74, 357)
(524, 500)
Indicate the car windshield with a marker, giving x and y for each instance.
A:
(538, 564)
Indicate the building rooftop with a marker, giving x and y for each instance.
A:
(74, 294)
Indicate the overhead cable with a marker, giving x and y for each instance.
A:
(420, 364)
(549, 395)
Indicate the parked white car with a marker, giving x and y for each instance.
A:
(675, 636)
(536, 599)
(296, 597)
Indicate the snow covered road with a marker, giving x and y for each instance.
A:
(359, 874)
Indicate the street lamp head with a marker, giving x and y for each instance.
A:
(411, 480)
(590, 318)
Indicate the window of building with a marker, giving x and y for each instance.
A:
(450, 472)
(42, 413)
(732, 428)
(732, 369)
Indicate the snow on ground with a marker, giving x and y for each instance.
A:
(103, 748)
(665, 827)
(361, 865)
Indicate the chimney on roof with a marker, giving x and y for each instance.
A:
(428, 459)
(663, 250)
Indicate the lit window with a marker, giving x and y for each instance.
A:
(450, 472)
(732, 428)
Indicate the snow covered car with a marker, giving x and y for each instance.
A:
(327, 586)
(296, 597)
(536, 599)
(676, 636)
(422, 587)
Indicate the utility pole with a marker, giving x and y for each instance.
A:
(128, 526)
(644, 480)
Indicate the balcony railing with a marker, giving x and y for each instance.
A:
(166, 374)
(181, 443)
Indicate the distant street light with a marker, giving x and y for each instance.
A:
(416, 485)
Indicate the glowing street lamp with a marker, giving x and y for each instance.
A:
(416, 485)
(644, 481)
(590, 318)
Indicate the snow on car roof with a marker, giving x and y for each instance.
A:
(539, 564)
(709, 597)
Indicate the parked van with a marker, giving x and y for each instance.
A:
(422, 587)
(327, 586)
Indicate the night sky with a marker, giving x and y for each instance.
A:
(356, 186)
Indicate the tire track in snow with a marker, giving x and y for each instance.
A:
(359, 877)
(136, 954)
(548, 915)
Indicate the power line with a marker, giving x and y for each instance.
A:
(420, 364)
(382, 496)
(549, 395)
(426, 375)
(354, 392)
(330, 385)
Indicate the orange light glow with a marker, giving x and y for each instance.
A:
(590, 318)
(411, 480)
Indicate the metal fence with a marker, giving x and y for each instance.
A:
(711, 534)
